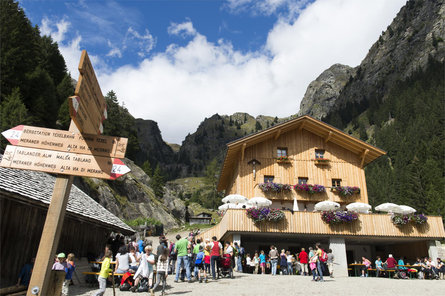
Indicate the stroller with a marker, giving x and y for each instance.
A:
(225, 266)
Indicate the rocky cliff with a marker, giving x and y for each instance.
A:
(131, 197)
(415, 35)
(153, 148)
(322, 93)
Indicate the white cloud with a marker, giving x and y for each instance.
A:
(114, 50)
(183, 29)
(179, 87)
(145, 42)
(47, 28)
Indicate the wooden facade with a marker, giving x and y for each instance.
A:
(254, 159)
(301, 139)
(310, 223)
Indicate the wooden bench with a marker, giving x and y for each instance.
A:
(389, 272)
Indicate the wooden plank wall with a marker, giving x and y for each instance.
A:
(377, 225)
(21, 229)
(301, 146)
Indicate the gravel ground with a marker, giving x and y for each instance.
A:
(249, 284)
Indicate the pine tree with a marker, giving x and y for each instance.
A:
(157, 182)
(146, 167)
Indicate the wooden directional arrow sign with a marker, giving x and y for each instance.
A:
(65, 141)
(88, 108)
(63, 163)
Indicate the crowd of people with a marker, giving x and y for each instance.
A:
(136, 262)
(425, 268)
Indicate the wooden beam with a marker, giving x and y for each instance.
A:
(328, 137)
(363, 157)
(243, 148)
(300, 128)
(277, 135)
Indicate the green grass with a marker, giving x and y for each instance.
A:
(141, 221)
(187, 227)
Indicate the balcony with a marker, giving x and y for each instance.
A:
(375, 225)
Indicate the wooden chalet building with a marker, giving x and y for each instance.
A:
(24, 200)
(306, 150)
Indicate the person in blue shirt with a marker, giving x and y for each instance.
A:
(401, 262)
(263, 262)
(25, 273)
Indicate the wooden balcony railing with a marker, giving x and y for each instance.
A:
(377, 225)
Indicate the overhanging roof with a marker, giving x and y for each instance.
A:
(36, 188)
(368, 152)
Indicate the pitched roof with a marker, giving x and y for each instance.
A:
(368, 152)
(37, 187)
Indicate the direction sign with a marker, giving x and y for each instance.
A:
(66, 141)
(81, 118)
(93, 108)
(63, 163)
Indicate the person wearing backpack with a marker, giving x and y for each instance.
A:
(199, 264)
(322, 258)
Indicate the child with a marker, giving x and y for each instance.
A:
(104, 273)
(60, 263)
(313, 267)
(200, 264)
(161, 271)
(207, 258)
(145, 269)
(69, 269)
(263, 262)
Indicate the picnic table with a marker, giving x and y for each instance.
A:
(356, 268)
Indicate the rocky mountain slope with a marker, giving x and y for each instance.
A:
(131, 197)
(415, 35)
(322, 93)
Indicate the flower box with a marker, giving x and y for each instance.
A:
(274, 187)
(401, 219)
(338, 217)
(311, 189)
(321, 161)
(346, 191)
(265, 214)
(283, 159)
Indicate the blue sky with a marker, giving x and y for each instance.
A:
(177, 62)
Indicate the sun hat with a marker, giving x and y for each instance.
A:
(61, 255)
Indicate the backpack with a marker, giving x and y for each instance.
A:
(125, 287)
(199, 258)
(324, 256)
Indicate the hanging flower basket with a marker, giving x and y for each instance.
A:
(322, 161)
(338, 217)
(265, 214)
(311, 189)
(401, 219)
(346, 191)
(274, 187)
(283, 159)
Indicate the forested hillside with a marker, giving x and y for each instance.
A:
(34, 80)
(409, 125)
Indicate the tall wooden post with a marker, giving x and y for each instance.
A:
(51, 233)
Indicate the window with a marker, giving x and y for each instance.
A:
(281, 152)
(319, 153)
(336, 182)
(302, 180)
(268, 179)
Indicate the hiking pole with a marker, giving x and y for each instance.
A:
(112, 282)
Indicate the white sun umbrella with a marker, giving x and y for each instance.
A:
(243, 205)
(405, 210)
(234, 198)
(296, 207)
(227, 206)
(259, 202)
(388, 207)
(359, 207)
(326, 205)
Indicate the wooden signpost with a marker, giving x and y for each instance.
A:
(66, 141)
(63, 163)
(81, 151)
